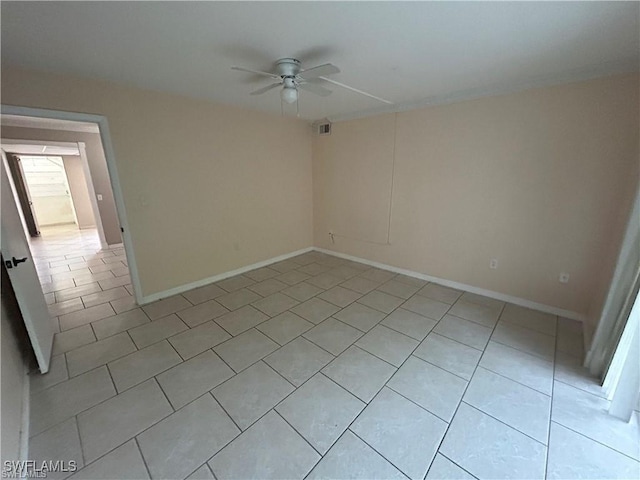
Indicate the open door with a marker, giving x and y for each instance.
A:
(23, 275)
(23, 194)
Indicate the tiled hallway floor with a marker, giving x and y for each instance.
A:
(314, 367)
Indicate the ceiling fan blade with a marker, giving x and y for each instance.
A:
(317, 89)
(319, 71)
(356, 90)
(258, 72)
(265, 89)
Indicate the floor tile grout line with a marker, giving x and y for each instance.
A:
(75, 420)
(230, 368)
(463, 469)
(373, 354)
(463, 394)
(322, 348)
(210, 392)
(553, 381)
(457, 341)
(215, 477)
(376, 450)
(417, 404)
(491, 339)
(319, 372)
(378, 392)
(300, 435)
(195, 470)
(581, 389)
(144, 460)
(157, 382)
(502, 422)
(514, 381)
(82, 411)
(134, 436)
(469, 320)
(440, 367)
(508, 322)
(152, 376)
(401, 333)
(596, 441)
(295, 389)
(280, 345)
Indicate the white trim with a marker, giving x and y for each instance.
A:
(216, 278)
(24, 416)
(52, 124)
(11, 142)
(97, 218)
(624, 389)
(109, 154)
(627, 340)
(461, 286)
(595, 358)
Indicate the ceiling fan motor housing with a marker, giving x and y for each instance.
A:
(288, 67)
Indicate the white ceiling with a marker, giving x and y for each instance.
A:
(413, 53)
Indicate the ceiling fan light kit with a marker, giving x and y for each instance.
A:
(291, 77)
(289, 92)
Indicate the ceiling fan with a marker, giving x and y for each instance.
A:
(290, 75)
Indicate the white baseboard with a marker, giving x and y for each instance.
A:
(24, 420)
(216, 278)
(461, 286)
(441, 281)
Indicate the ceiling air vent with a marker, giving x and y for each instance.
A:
(324, 129)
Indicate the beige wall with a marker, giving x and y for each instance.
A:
(95, 158)
(207, 188)
(79, 191)
(541, 180)
(538, 179)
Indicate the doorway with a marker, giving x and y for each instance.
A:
(100, 236)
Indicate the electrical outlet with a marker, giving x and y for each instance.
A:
(564, 278)
(99, 195)
(493, 264)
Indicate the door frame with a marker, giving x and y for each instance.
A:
(105, 136)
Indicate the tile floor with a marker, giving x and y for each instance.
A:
(313, 367)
